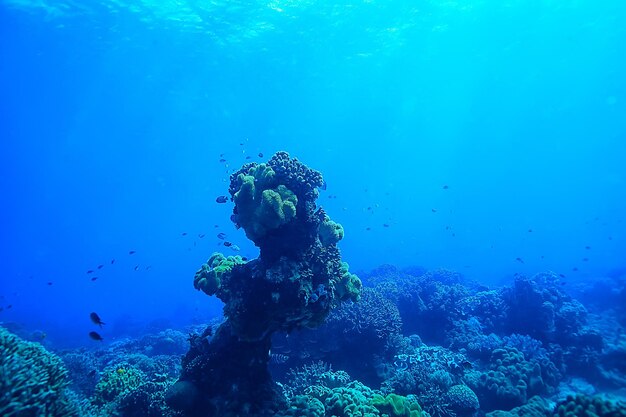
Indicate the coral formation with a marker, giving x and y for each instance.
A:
(296, 281)
(33, 381)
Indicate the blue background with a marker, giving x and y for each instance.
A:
(114, 116)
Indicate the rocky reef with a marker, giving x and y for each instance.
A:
(296, 281)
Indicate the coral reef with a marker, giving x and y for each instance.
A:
(296, 281)
(33, 381)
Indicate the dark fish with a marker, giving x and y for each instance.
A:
(243, 258)
(136, 267)
(112, 261)
(100, 266)
(94, 278)
(433, 210)
(49, 282)
(248, 157)
(520, 260)
(574, 269)
(324, 185)
(95, 336)
(201, 235)
(585, 259)
(530, 230)
(222, 160)
(370, 208)
(217, 225)
(221, 235)
(149, 267)
(368, 228)
(183, 234)
(227, 243)
(445, 187)
(92, 373)
(562, 275)
(467, 365)
(10, 306)
(587, 247)
(221, 199)
(385, 225)
(91, 271)
(132, 252)
(260, 154)
(95, 318)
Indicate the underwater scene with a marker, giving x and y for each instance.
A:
(361, 208)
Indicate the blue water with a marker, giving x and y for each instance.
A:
(478, 131)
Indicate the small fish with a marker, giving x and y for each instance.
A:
(562, 275)
(49, 282)
(585, 259)
(112, 261)
(95, 318)
(149, 267)
(221, 235)
(530, 230)
(433, 210)
(235, 248)
(92, 373)
(467, 365)
(248, 157)
(260, 154)
(574, 269)
(136, 267)
(217, 225)
(183, 234)
(385, 225)
(227, 243)
(278, 358)
(368, 228)
(222, 160)
(91, 271)
(445, 187)
(94, 278)
(132, 252)
(587, 247)
(10, 306)
(221, 199)
(95, 336)
(201, 235)
(243, 258)
(520, 260)
(100, 266)
(324, 185)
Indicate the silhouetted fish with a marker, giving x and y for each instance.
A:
(100, 266)
(445, 187)
(112, 261)
(433, 210)
(324, 185)
(222, 160)
(136, 267)
(201, 235)
(221, 235)
(260, 154)
(520, 260)
(94, 278)
(132, 252)
(96, 319)
(385, 225)
(91, 271)
(227, 243)
(221, 199)
(95, 336)
(183, 234)
(49, 282)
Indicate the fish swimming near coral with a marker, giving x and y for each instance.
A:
(96, 319)
(278, 359)
(95, 336)
(221, 199)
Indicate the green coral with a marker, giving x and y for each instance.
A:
(261, 204)
(396, 405)
(116, 382)
(209, 277)
(349, 285)
(587, 406)
(330, 232)
(33, 381)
